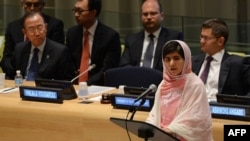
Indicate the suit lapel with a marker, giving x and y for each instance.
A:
(224, 70)
(79, 44)
(25, 59)
(46, 57)
(97, 41)
(139, 47)
(160, 43)
(197, 63)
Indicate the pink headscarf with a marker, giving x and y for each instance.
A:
(170, 81)
(181, 104)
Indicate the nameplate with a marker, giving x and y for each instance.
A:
(230, 111)
(41, 94)
(121, 101)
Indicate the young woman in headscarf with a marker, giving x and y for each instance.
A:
(181, 107)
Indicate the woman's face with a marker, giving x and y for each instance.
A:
(174, 63)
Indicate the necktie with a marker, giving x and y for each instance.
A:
(85, 58)
(149, 52)
(206, 69)
(33, 69)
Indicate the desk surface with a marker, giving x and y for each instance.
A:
(72, 120)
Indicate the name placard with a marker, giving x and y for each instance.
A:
(126, 101)
(230, 111)
(41, 94)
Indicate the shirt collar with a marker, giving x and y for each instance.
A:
(218, 56)
(40, 47)
(92, 28)
(156, 33)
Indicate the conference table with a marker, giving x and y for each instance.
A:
(73, 120)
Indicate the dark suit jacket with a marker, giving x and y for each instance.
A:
(234, 77)
(14, 35)
(56, 61)
(134, 45)
(106, 50)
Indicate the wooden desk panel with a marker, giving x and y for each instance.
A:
(70, 121)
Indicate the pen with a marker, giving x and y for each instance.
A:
(8, 89)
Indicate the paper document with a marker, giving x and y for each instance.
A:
(97, 99)
(99, 89)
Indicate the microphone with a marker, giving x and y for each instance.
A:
(152, 88)
(89, 69)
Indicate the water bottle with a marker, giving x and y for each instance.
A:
(18, 78)
(83, 91)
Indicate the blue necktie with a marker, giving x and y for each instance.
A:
(205, 72)
(149, 52)
(33, 69)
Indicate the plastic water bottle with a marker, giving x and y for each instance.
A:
(18, 78)
(83, 91)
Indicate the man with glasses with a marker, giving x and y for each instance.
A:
(92, 42)
(14, 34)
(226, 74)
(144, 48)
(40, 57)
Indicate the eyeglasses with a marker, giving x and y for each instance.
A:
(145, 14)
(78, 10)
(35, 4)
(33, 30)
(206, 38)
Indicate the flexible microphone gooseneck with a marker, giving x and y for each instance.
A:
(89, 69)
(152, 88)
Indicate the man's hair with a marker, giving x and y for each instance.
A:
(159, 3)
(30, 14)
(219, 28)
(95, 5)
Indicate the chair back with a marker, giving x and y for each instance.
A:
(132, 76)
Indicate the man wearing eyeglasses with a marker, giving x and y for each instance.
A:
(14, 34)
(145, 47)
(40, 57)
(225, 73)
(92, 42)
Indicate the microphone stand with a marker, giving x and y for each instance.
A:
(133, 109)
(143, 133)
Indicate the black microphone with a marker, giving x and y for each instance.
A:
(89, 69)
(152, 88)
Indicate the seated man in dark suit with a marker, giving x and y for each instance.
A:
(40, 57)
(227, 74)
(14, 34)
(91, 42)
(136, 45)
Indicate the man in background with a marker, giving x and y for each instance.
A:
(14, 34)
(91, 42)
(225, 73)
(40, 57)
(144, 48)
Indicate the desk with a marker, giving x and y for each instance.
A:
(70, 121)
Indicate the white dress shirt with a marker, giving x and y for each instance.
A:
(146, 43)
(213, 75)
